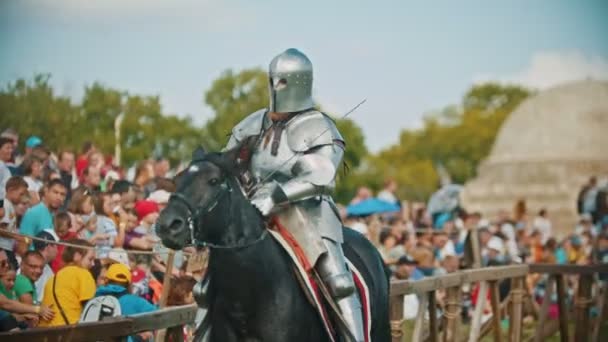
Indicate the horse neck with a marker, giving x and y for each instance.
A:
(236, 221)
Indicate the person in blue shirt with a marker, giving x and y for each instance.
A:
(119, 281)
(40, 216)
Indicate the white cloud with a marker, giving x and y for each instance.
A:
(550, 68)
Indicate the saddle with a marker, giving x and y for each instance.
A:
(314, 288)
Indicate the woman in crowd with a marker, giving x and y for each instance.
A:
(32, 169)
(70, 288)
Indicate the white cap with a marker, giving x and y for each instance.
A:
(496, 244)
(119, 255)
(160, 196)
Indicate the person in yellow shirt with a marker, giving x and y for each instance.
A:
(68, 291)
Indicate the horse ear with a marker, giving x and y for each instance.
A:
(199, 153)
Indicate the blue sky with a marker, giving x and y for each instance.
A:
(407, 58)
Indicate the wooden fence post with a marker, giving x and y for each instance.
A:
(515, 321)
(452, 313)
(582, 304)
(542, 319)
(563, 311)
(433, 316)
(396, 312)
(495, 300)
(478, 313)
(419, 325)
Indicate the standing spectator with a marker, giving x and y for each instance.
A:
(32, 265)
(161, 167)
(83, 159)
(144, 177)
(32, 170)
(543, 225)
(106, 226)
(363, 193)
(48, 250)
(66, 171)
(6, 153)
(70, 288)
(586, 201)
(388, 194)
(92, 178)
(39, 217)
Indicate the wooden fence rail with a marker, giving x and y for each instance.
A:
(452, 283)
(489, 279)
(113, 329)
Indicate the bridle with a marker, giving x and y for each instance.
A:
(196, 213)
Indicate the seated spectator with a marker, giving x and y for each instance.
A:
(387, 242)
(8, 306)
(141, 236)
(118, 283)
(70, 288)
(49, 252)
(39, 217)
(32, 265)
(7, 284)
(442, 245)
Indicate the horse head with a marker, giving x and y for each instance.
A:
(207, 192)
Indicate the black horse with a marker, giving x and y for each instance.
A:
(254, 293)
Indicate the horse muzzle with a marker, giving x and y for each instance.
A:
(173, 230)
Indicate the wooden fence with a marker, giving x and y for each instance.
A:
(489, 279)
(452, 283)
(114, 329)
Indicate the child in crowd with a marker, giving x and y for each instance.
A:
(7, 284)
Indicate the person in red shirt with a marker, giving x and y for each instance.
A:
(83, 160)
(62, 223)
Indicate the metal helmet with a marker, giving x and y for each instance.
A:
(290, 82)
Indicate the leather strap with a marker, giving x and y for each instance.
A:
(57, 301)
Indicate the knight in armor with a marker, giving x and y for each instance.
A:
(294, 162)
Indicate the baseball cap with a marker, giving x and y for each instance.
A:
(119, 255)
(160, 196)
(33, 141)
(496, 243)
(119, 273)
(47, 234)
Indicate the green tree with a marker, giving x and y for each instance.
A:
(457, 139)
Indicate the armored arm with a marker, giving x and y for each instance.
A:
(314, 174)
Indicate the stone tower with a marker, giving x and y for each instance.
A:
(545, 151)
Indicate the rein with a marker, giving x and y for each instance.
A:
(195, 214)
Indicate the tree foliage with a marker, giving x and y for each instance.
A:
(32, 108)
(457, 139)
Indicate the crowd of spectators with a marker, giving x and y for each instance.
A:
(415, 243)
(84, 229)
(91, 233)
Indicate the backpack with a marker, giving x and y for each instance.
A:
(99, 308)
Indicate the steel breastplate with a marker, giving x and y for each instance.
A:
(264, 163)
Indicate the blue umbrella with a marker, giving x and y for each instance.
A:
(371, 206)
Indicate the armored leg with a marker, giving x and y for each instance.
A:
(338, 279)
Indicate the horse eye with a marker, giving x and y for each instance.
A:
(213, 181)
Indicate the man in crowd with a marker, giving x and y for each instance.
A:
(32, 265)
(49, 253)
(7, 306)
(161, 167)
(388, 194)
(66, 169)
(40, 216)
(92, 178)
